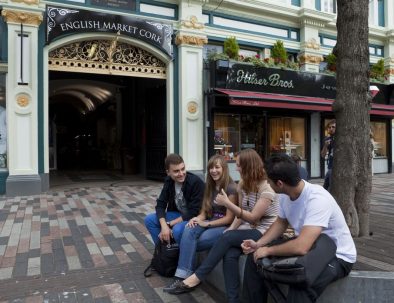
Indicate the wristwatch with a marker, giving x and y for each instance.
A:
(168, 224)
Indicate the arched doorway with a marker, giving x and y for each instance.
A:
(107, 102)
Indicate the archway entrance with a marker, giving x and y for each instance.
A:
(107, 110)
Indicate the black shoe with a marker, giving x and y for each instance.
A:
(182, 288)
(173, 285)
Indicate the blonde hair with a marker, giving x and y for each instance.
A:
(252, 170)
(210, 185)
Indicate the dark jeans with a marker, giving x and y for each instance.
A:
(327, 180)
(256, 290)
(228, 247)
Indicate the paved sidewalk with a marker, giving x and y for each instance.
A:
(89, 244)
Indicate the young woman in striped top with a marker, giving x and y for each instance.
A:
(257, 211)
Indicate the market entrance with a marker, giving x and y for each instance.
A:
(107, 118)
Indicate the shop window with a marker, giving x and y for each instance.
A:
(3, 124)
(232, 133)
(379, 139)
(211, 49)
(287, 135)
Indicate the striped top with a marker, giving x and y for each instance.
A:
(249, 200)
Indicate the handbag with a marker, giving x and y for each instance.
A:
(165, 259)
(300, 270)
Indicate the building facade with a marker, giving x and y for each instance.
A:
(108, 84)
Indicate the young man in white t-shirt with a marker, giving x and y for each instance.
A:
(310, 210)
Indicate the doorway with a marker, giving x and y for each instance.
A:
(107, 124)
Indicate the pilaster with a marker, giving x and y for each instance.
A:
(190, 41)
(22, 102)
(389, 57)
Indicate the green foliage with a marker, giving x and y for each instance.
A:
(331, 60)
(231, 47)
(377, 70)
(278, 52)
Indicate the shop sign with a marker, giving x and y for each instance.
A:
(64, 21)
(278, 81)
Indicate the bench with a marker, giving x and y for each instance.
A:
(358, 287)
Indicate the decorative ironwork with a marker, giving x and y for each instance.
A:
(106, 57)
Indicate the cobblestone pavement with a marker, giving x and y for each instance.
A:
(89, 244)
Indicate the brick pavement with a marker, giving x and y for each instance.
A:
(89, 245)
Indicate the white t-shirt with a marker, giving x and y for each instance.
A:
(316, 207)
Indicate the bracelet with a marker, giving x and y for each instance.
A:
(240, 214)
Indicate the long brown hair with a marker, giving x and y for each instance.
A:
(252, 170)
(211, 184)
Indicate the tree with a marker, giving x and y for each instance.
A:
(352, 175)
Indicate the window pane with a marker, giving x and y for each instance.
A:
(287, 135)
(379, 139)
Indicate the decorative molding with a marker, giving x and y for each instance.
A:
(192, 107)
(311, 44)
(192, 23)
(21, 17)
(28, 2)
(389, 71)
(106, 57)
(190, 40)
(23, 100)
(313, 22)
(310, 59)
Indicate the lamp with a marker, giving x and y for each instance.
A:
(373, 89)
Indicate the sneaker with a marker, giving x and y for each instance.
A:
(174, 284)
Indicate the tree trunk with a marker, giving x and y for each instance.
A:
(352, 171)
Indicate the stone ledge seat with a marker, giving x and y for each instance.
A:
(358, 287)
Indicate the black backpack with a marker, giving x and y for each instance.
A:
(165, 259)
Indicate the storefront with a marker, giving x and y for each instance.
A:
(279, 111)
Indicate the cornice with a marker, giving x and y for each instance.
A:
(18, 17)
(315, 18)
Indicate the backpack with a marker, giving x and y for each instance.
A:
(165, 259)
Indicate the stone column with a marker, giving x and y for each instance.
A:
(389, 57)
(190, 40)
(22, 86)
(310, 56)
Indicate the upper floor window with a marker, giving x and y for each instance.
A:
(328, 6)
(376, 12)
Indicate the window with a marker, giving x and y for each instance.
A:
(379, 139)
(328, 6)
(376, 12)
(236, 132)
(287, 135)
(3, 123)
(211, 49)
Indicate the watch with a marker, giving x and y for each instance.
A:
(168, 223)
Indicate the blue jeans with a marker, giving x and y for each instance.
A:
(152, 224)
(195, 239)
(228, 247)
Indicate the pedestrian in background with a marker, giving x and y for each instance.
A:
(328, 151)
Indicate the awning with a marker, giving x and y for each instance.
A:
(249, 98)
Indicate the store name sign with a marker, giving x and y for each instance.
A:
(272, 80)
(63, 21)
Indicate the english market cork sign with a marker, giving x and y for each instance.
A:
(64, 21)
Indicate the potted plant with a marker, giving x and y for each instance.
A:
(231, 48)
(278, 52)
(377, 70)
(331, 60)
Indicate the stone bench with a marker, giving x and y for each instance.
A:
(358, 287)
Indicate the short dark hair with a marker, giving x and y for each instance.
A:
(282, 167)
(172, 159)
